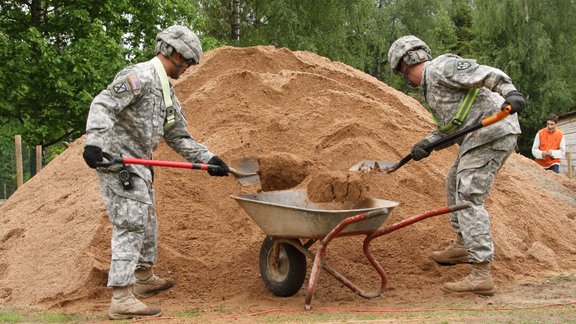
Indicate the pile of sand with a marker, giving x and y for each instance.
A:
(54, 232)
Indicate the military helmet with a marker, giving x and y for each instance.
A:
(409, 48)
(181, 39)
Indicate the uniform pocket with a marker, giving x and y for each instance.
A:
(128, 214)
(139, 192)
(474, 185)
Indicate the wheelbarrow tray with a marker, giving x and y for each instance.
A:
(290, 214)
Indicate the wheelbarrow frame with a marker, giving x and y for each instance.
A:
(303, 244)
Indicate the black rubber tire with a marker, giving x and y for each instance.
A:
(287, 278)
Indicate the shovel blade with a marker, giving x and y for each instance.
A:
(247, 165)
(372, 166)
(246, 171)
(248, 180)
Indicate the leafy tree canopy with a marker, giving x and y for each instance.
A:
(58, 54)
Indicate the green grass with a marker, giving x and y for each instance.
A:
(563, 314)
(436, 313)
(25, 315)
(563, 277)
(187, 314)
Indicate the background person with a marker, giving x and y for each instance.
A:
(129, 118)
(448, 83)
(549, 146)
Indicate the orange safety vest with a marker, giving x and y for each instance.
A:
(549, 141)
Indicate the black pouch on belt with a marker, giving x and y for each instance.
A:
(125, 178)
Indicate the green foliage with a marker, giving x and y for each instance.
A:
(534, 42)
(57, 55)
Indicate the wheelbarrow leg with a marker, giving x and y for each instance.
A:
(318, 259)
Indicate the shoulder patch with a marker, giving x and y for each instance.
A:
(130, 82)
(135, 83)
(120, 87)
(463, 65)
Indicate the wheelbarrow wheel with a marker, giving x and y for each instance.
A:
(284, 275)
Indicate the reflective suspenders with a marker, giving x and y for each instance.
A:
(170, 111)
(461, 114)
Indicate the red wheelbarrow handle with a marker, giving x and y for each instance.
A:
(319, 262)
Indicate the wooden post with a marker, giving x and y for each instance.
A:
(38, 158)
(19, 169)
(569, 160)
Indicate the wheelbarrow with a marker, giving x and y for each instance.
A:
(292, 224)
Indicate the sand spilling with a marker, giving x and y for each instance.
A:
(280, 171)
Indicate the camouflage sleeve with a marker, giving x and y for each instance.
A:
(437, 135)
(465, 73)
(123, 91)
(180, 140)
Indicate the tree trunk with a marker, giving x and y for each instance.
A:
(235, 35)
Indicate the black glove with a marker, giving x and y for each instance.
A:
(418, 151)
(516, 100)
(92, 155)
(220, 172)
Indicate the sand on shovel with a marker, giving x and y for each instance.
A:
(281, 170)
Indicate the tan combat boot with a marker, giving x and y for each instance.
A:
(125, 306)
(148, 284)
(455, 253)
(479, 281)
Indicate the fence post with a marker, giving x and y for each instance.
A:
(19, 169)
(569, 160)
(38, 158)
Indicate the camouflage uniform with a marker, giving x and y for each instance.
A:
(128, 119)
(445, 83)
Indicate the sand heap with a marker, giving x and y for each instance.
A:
(54, 231)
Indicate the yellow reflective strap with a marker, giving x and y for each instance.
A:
(462, 112)
(163, 81)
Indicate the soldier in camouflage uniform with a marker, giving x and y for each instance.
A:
(129, 118)
(449, 82)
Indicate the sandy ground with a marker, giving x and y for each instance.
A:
(324, 115)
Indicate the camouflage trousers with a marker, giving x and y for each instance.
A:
(470, 179)
(134, 226)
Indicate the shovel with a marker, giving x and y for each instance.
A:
(389, 167)
(245, 178)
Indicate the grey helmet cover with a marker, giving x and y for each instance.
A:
(181, 39)
(411, 49)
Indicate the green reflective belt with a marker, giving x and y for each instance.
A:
(461, 114)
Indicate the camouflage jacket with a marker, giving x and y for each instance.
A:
(446, 81)
(127, 118)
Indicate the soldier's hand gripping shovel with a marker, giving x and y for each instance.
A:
(245, 178)
(389, 167)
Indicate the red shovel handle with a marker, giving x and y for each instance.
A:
(172, 164)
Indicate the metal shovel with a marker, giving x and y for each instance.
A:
(389, 167)
(245, 178)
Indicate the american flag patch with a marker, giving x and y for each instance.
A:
(134, 80)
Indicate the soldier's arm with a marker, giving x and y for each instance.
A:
(469, 74)
(180, 140)
(123, 91)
